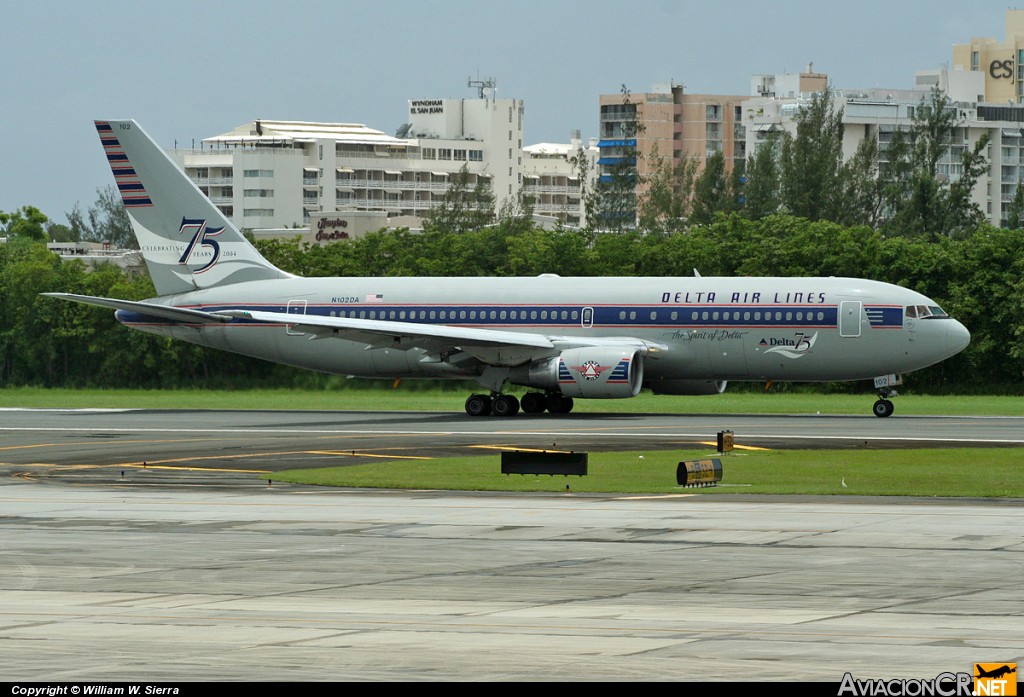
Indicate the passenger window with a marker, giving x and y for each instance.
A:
(632, 315)
(654, 315)
(746, 316)
(622, 314)
(675, 316)
(725, 316)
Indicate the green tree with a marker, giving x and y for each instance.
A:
(463, 207)
(1015, 214)
(665, 204)
(919, 199)
(761, 190)
(612, 204)
(26, 223)
(712, 192)
(811, 162)
(105, 221)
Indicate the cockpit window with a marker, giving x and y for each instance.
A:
(924, 311)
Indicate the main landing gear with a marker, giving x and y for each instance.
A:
(508, 405)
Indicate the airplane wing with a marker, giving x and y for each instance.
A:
(440, 341)
(490, 346)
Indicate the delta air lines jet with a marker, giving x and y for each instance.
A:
(563, 338)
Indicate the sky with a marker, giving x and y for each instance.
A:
(187, 70)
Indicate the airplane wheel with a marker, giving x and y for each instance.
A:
(505, 405)
(559, 404)
(534, 403)
(883, 407)
(478, 405)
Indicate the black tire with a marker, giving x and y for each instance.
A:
(559, 404)
(534, 403)
(883, 408)
(505, 405)
(478, 405)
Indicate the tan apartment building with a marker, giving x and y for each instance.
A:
(667, 125)
(1002, 63)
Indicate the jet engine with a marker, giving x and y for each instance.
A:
(590, 372)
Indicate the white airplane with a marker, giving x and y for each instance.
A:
(563, 338)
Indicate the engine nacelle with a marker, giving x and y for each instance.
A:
(687, 387)
(589, 373)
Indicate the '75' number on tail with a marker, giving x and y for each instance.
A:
(201, 237)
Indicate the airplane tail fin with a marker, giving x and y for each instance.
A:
(188, 244)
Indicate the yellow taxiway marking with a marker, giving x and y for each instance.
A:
(714, 444)
(167, 463)
(518, 449)
(351, 453)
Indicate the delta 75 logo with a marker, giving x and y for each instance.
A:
(201, 237)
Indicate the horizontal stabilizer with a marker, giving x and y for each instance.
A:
(177, 314)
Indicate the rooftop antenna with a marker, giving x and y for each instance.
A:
(481, 85)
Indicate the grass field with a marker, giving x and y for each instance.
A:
(981, 472)
(452, 400)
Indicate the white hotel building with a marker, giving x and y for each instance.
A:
(879, 113)
(284, 174)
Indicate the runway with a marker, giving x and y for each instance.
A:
(196, 570)
(69, 442)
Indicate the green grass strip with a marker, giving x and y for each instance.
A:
(406, 399)
(968, 472)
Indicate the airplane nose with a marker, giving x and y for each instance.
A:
(957, 337)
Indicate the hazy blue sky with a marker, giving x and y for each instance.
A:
(188, 70)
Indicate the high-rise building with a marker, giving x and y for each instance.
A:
(666, 125)
(281, 174)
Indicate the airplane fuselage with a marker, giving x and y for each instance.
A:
(697, 328)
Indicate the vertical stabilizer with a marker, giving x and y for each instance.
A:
(186, 241)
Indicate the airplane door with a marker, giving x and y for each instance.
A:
(849, 318)
(295, 307)
(587, 318)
